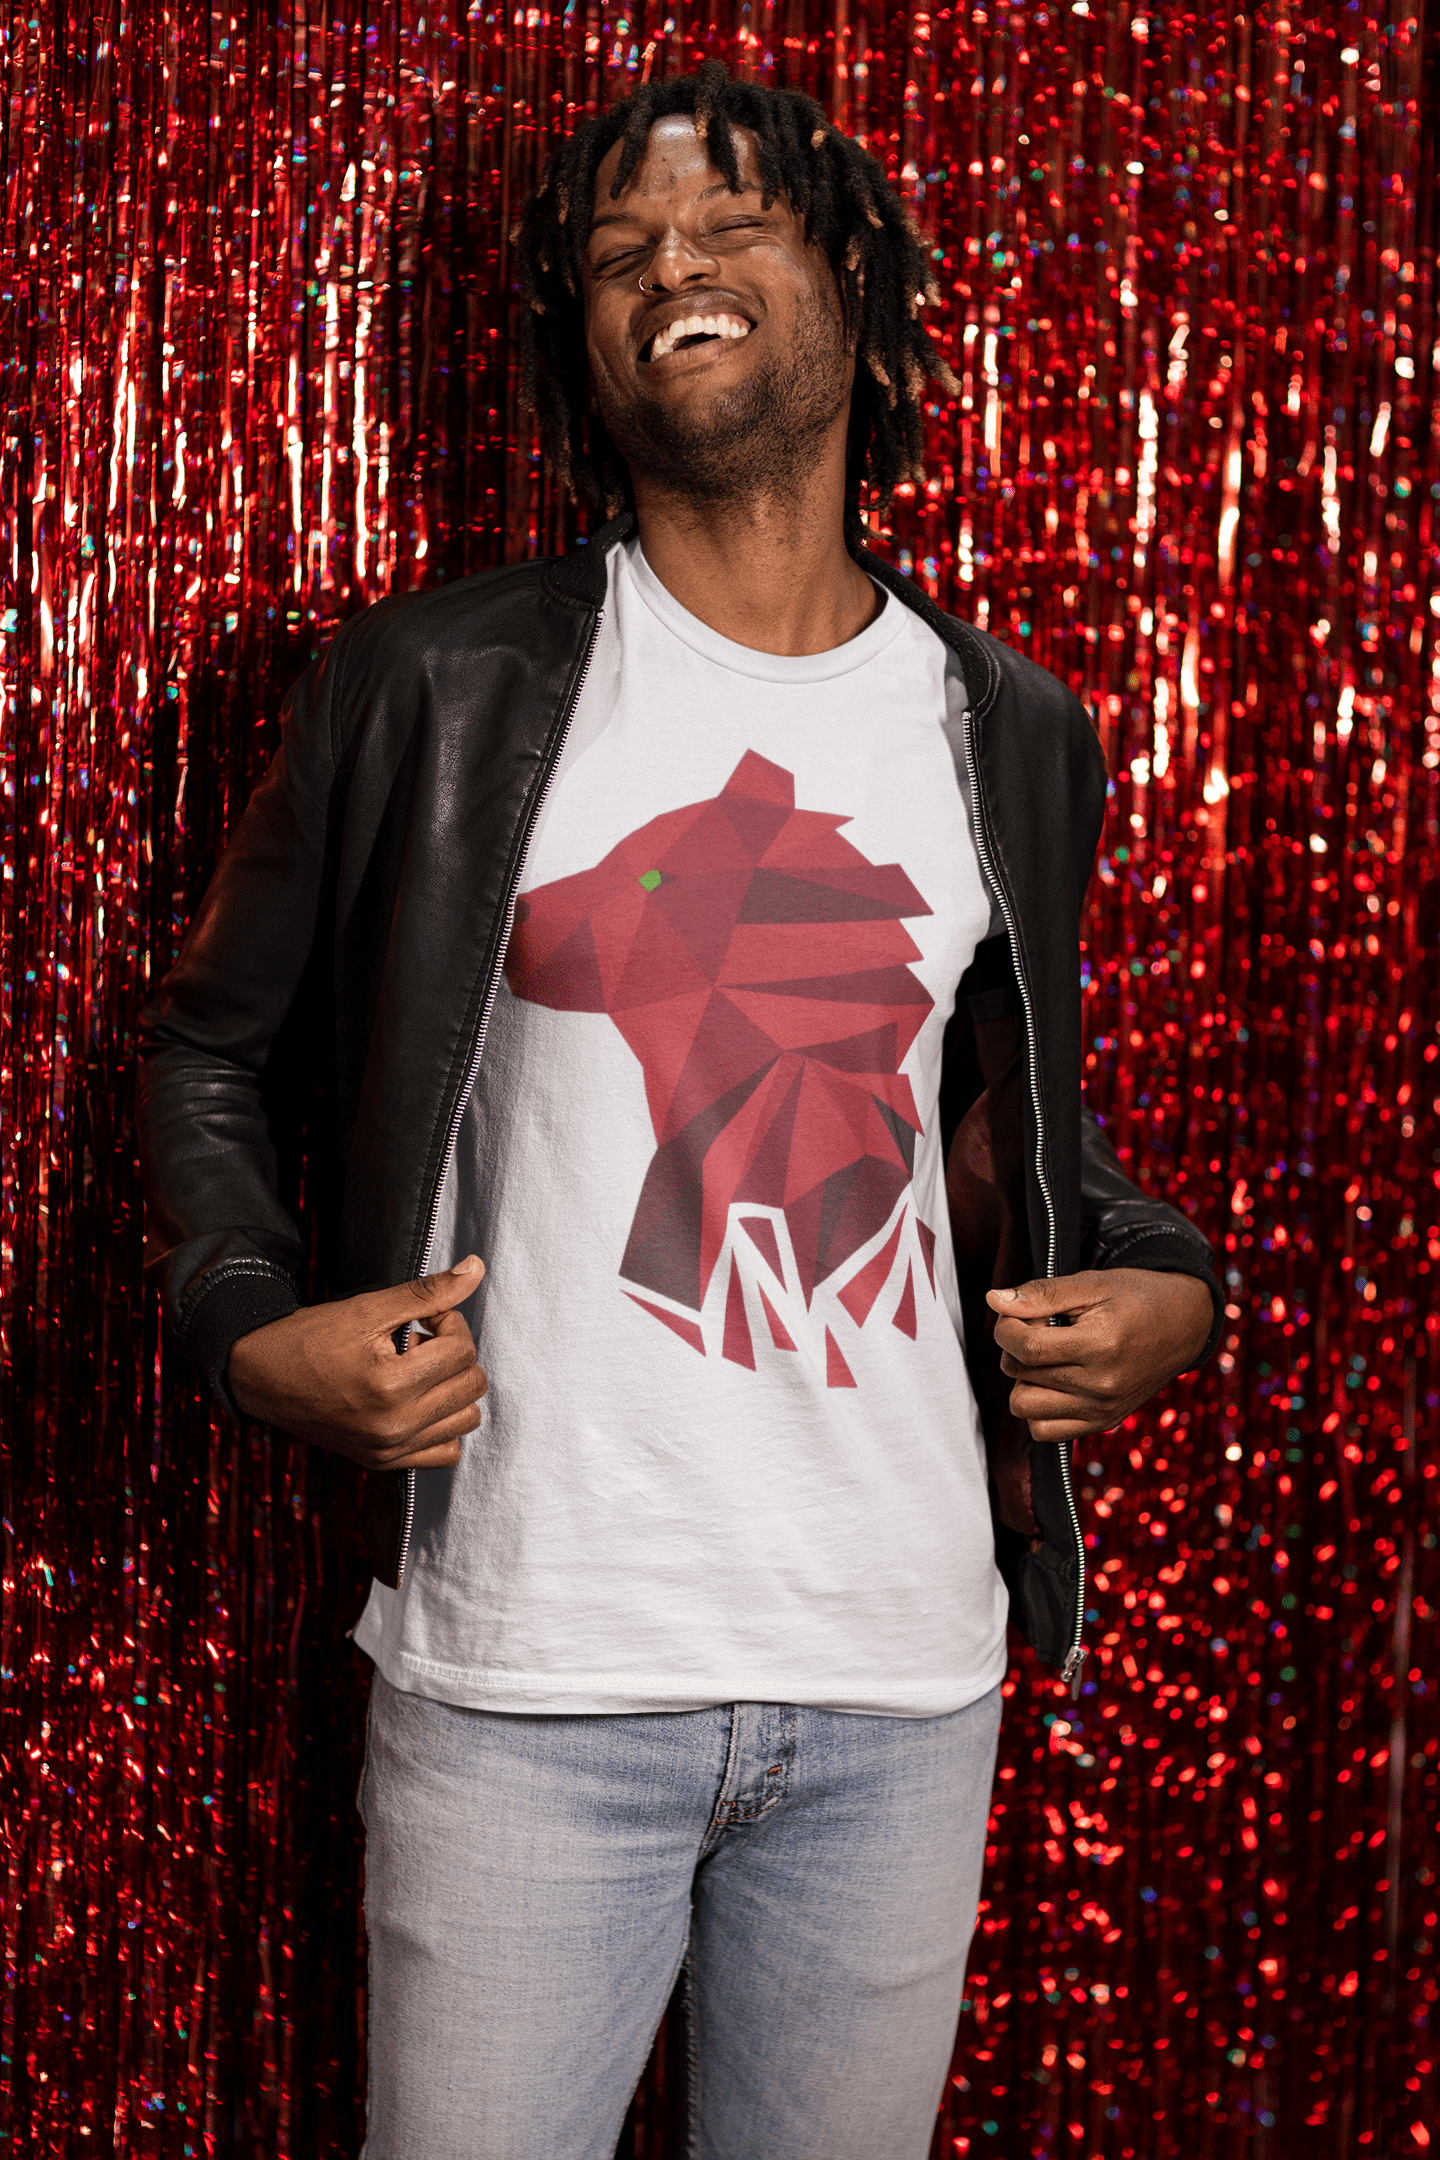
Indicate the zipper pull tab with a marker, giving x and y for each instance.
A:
(1072, 1669)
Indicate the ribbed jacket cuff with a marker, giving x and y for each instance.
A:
(228, 1302)
(1171, 1252)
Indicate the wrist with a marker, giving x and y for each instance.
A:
(246, 1368)
(1195, 1313)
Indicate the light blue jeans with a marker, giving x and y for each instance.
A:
(534, 1884)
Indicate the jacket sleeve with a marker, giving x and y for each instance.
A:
(1124, 1227)
(221, 1246)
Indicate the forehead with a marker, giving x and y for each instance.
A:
(674, 165)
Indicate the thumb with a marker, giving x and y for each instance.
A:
(1041, 1299)
(428, 1295)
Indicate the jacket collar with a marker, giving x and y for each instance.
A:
(977, 667)
(582, 576)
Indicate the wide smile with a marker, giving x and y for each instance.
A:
(719, 326)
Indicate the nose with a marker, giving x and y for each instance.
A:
(678, 261)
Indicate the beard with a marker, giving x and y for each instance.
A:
(759, 438)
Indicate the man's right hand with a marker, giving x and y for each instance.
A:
(332, 1374)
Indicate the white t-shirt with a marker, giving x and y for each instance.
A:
(730, 1450)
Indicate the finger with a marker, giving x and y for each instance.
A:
(1056, 1294)
(429, 1361)
(465, 1392)
(424, 1452)
(1076, 1386)
(1061, 1422)
(453, 1325)
(1050, 1351)
(425, 1448)
(444, 1457)
(1078, 1412)
(1060, 1429)
(1032, 1348)
(1038, 1341)
(1055, 1361)
(1032, 1404)
(423, 1299)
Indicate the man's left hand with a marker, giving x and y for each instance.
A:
(1130, 1332)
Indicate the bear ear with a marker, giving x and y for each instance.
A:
(757, 777)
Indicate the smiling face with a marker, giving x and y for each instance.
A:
(713, 326)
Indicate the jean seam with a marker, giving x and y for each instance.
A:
(682, 1965)
(692, 2046)
(721, 1816)
(729, 1814)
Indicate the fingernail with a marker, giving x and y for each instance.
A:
(1008, 1295)
(467, 1266)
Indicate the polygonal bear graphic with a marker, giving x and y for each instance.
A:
(755, 962)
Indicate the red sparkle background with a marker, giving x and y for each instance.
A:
(256, 342)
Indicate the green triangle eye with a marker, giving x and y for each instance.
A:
(650, 879)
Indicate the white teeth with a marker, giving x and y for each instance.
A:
(721, 326)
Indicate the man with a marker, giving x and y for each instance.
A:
(690, 925)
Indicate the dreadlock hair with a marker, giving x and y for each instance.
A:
(849, 210)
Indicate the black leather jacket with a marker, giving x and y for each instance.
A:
(330, 1000)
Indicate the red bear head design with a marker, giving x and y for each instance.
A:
(755, 963)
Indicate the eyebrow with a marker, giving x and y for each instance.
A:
(627, 217)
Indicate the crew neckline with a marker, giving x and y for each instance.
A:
(856, 652)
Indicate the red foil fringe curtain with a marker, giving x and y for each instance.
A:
(256, 333)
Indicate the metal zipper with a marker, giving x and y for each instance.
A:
(1075, 1656)
(1070, 1670)
(492, 991)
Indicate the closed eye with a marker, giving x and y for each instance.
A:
(615, 262)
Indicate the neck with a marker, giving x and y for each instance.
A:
(767, 570)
